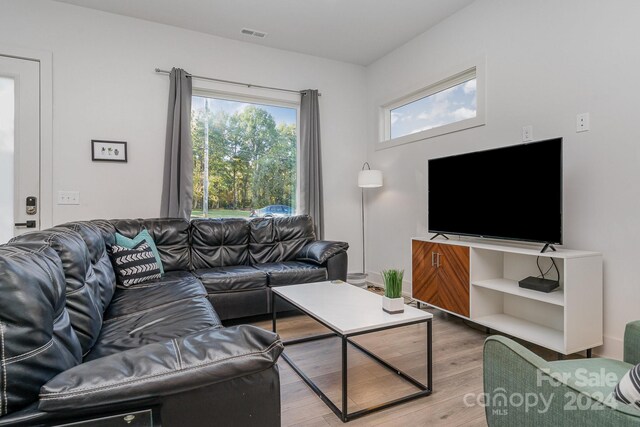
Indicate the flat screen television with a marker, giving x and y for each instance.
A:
(512, 193)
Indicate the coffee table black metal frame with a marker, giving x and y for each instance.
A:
(343, 414)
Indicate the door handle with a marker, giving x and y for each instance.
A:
(433, 263)
(438, 260)
(28, 224)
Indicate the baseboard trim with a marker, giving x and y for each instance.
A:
(375, 279)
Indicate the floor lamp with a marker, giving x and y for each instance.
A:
(367, 178)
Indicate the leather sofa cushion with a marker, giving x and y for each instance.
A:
(100, 262)
(171, 236)
(219, 242)
(107, 230)
(173, 286)
(168, 367)
(293, 272)
(228, 279)
(235, 305)
(37, 341)
(278, 239)
(154, 325)
(83, 290)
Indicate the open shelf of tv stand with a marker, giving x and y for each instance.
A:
(529, 331)
(511, 287)
(566, 320)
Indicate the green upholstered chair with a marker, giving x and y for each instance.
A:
(522, 389)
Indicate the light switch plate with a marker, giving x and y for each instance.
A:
(68, 197)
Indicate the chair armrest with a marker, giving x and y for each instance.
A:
(632, 342)
(319, 251)
(521, 388)
(163, 368)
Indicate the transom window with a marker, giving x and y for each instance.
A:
(244, 158)
(447, 106)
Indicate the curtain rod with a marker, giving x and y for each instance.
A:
(158, 70)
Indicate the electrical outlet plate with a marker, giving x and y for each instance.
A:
(527, 133)
(68, 197)
(582, 122)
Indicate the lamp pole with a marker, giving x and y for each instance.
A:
(363, 246)
(367, 178)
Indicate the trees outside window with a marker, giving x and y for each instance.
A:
(245, 158)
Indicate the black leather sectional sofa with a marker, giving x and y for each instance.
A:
(74, 347)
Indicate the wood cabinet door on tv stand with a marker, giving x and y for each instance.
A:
(424, 272)
(441, 276)
(453, 273)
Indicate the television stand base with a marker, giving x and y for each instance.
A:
(547, 246)
(440, 234)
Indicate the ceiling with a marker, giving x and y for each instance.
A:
(357, 31)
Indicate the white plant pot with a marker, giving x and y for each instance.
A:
(393, 305)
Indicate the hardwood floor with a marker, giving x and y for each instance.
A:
(457, 370)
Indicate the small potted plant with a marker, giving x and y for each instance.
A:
(392, 301)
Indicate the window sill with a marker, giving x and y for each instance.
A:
(432, 133)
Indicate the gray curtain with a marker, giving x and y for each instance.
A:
(177, 188)
(311, 161)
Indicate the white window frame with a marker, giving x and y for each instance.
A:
(477, 70)
(257, 96)
(285, 101)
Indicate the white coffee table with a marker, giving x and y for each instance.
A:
(350, 311)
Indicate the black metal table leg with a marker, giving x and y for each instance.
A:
(429, 356)
(589, 353)
(273, 311)
(344, 380)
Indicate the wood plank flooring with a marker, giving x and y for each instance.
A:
(457, 370)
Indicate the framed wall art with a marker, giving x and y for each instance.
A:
(108, 151)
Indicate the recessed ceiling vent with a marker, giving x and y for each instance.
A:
(254, 33)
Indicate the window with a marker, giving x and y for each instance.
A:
(244, 158)
(447, 106)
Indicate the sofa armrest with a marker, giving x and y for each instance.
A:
(521, 388)
(337, 267)
(632, 342)
(164, 368)
(319, 251)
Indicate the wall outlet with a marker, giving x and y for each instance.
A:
(527, 133)
(68, 197)
(582, 122)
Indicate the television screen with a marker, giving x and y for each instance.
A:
(508, 193)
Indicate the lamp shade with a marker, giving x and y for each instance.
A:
(370, 178)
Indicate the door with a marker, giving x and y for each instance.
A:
(19, 146)
(424, 272)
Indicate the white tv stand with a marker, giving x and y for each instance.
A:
(566, 320)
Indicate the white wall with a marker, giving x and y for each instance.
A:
(105, 88)
(546, 62)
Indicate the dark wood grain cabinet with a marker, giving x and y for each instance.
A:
(440, 275)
